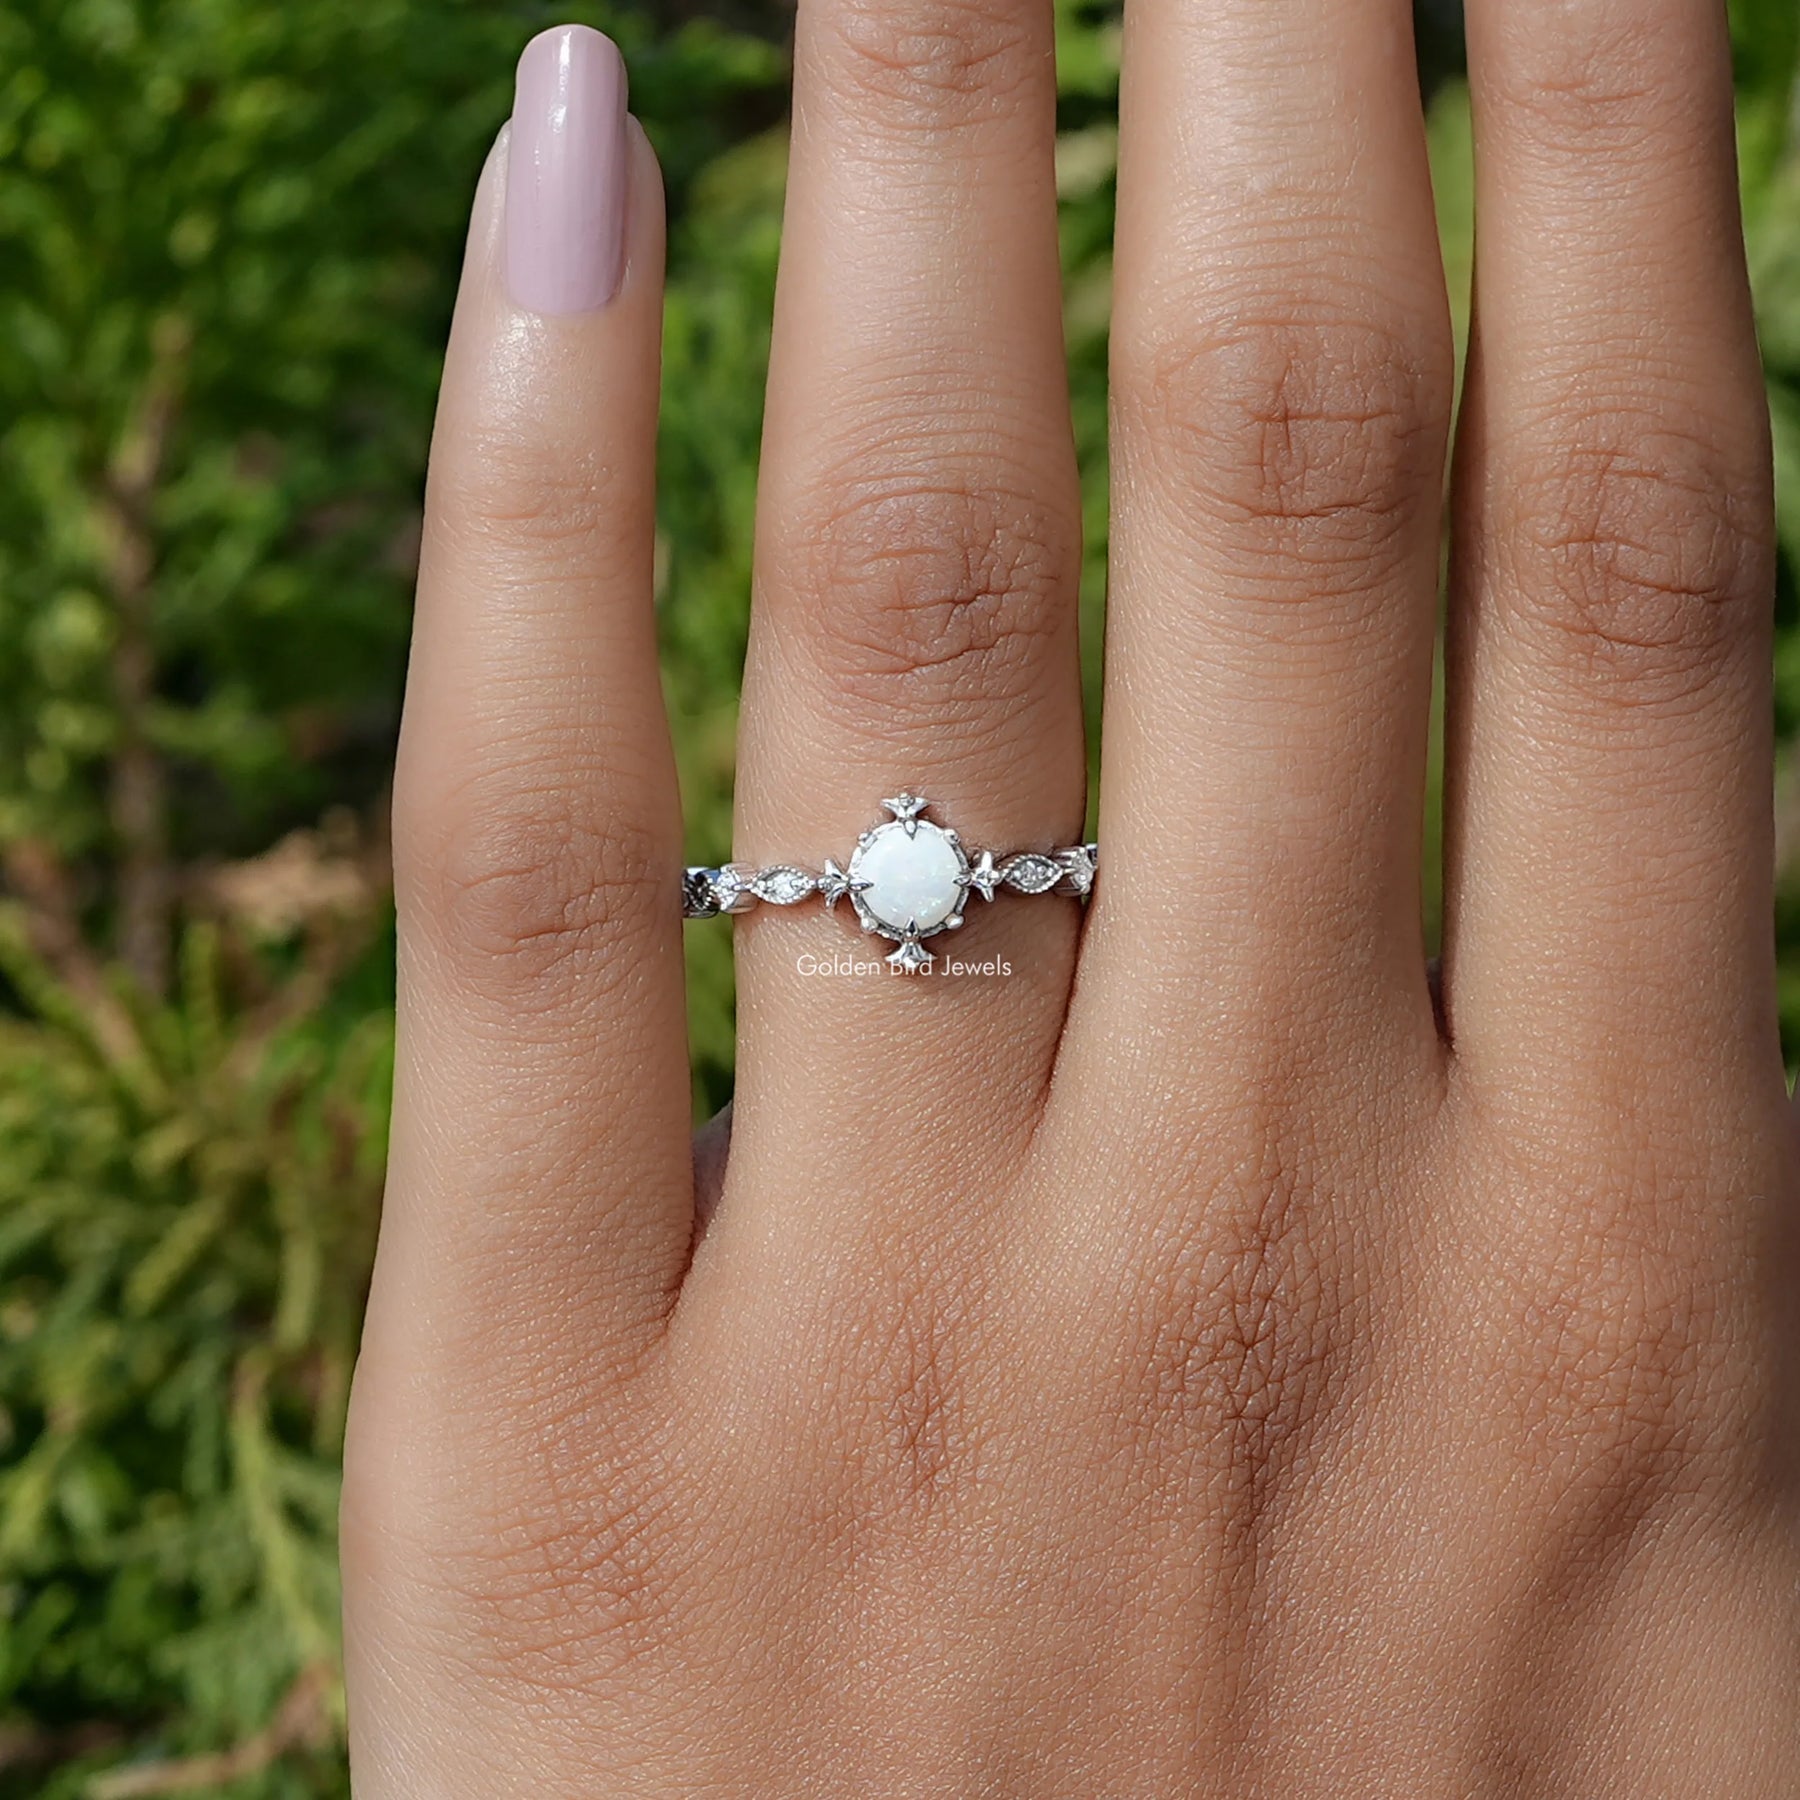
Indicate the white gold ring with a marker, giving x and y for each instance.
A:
(908, 879)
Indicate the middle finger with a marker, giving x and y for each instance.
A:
(1281, 375)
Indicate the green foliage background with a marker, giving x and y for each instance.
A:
(228, 234)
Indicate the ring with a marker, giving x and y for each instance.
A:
(908, 879)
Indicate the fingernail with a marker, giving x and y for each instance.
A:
(565, 177)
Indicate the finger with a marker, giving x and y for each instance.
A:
(1281, 383)
(1610, 754)
(541, 1181)
(914, 625)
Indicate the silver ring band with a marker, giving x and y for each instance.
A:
(907, 880)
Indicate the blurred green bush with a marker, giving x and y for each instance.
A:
(228, 235)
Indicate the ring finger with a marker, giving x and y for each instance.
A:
(914, 621)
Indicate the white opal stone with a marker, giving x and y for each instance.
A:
(912, 880)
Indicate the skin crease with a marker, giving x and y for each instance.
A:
(1197, 1364)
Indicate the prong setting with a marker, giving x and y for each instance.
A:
(907, 880)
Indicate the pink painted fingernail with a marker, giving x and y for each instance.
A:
(565, 178)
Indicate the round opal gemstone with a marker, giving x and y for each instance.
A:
(912, 879)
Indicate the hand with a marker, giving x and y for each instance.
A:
(1196, 1364)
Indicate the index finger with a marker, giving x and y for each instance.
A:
(541, 1178)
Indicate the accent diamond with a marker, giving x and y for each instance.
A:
(783, 885)
(1078, 870)
(734, 889)
(1031, 873)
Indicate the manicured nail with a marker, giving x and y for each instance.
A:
(565, 178)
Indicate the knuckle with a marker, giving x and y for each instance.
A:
(1317, 438)
(1588, 90)
(1639, 560)
(897, 1398)
(945, 62)
(1618, 1346)
(530, 884)
(926, 600)
(562, 1591)
(1239, 1345)
(571, 1547)
(915, 1422)
(567, 507)
(583, 1583)
(1622, 1333)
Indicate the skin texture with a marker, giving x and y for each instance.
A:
(1204, 1363)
